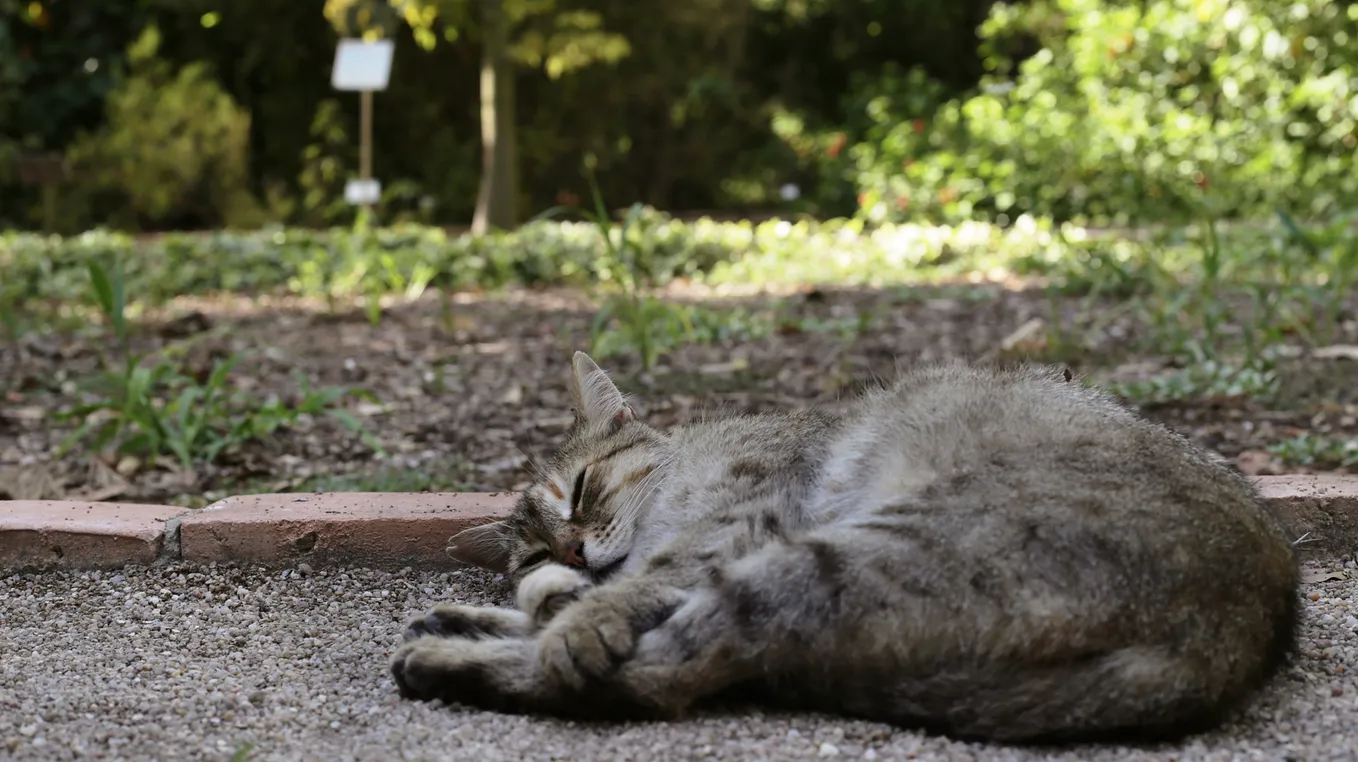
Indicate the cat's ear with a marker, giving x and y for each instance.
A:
(595, 397)
(486, 546)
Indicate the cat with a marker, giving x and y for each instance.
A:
(989, 553)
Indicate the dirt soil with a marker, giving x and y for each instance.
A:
(471, 390)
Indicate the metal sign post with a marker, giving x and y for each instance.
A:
(364, 66)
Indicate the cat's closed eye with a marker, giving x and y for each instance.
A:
(578, 489)
(536, 557)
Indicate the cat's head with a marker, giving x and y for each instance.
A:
(582, 508)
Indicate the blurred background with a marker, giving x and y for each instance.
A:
(195, 114)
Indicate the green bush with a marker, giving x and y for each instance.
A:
(342, 263)
(173, 151)
(1160, 110)
(336, 264)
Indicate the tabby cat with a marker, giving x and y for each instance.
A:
(989, 553)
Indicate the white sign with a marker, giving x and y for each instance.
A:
(362, 65)
(360, 192)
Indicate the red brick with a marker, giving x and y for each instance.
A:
(376, 528)
(1323, 505)
(76, 535)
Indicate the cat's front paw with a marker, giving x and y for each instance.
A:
(455, 620)
(587, 643)
(549, 589)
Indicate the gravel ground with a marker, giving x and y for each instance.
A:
(186, 662)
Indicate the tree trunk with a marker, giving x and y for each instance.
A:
(498, 194)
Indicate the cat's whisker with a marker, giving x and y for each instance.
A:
(641, 495)
(533, 468)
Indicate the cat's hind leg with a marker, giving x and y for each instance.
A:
(452, 620)
(489, 673)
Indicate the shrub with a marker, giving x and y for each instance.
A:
(173, 151)
(1161, 110)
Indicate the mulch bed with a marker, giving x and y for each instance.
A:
(479, 394)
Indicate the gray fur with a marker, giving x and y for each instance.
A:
(991, 553)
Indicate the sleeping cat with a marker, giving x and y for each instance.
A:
(989, 553)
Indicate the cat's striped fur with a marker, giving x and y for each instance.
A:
(999, 554)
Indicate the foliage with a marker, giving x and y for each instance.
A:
(1314, 267)
(1161, 110)
(58, 63)
(684, 124)
(1318, 450)
(173, 150)
(154, 408)
(327, 163)
(1207, 380)
(559, 40)
(1086, 110)
(631, 318)
(336, 264)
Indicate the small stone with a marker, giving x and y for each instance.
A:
(870, 754)
(1337, 692)
(28, 730)
(829, 750)
(305, 569)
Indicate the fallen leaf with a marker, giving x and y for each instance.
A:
(32, 482)
(99, 495)
(1324, 576)
(370, 409)
(26, 413)
(1336, 352)
(1028, 336)
(722, 368)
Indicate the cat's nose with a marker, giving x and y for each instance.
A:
(575, 554)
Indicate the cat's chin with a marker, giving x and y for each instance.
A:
(604, 572)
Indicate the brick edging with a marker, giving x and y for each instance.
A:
(412, 529)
